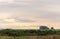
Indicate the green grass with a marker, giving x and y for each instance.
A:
(32, 37)
(11, 37)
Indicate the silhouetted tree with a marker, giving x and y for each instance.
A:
(44, 28)
(52, 27)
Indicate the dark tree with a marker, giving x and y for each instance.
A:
(43, 27)
(52, 28)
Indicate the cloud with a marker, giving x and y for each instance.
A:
(16, 20)
(8, 1)
(33, 8)
(32, 11)
(25, 20)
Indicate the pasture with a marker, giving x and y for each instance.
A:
(31, 37)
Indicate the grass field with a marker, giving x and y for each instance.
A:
(32, 37)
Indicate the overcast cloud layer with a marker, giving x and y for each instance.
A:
(29, 12)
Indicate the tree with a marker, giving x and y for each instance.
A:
(52, 27)
(44, 28)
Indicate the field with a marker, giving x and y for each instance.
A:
(32, 37)
(29, 34)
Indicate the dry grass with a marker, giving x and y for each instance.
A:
(33, 37)
(45, 37)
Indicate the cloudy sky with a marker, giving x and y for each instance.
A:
(30, 13)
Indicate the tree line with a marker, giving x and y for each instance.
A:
(11, 32)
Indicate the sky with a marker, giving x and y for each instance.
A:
(29, 14)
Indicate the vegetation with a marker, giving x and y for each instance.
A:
(11, 32)
(41, 33)
(29, 34)
(32, 37)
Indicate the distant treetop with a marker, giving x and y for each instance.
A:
(52, 27)
(43, 27)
